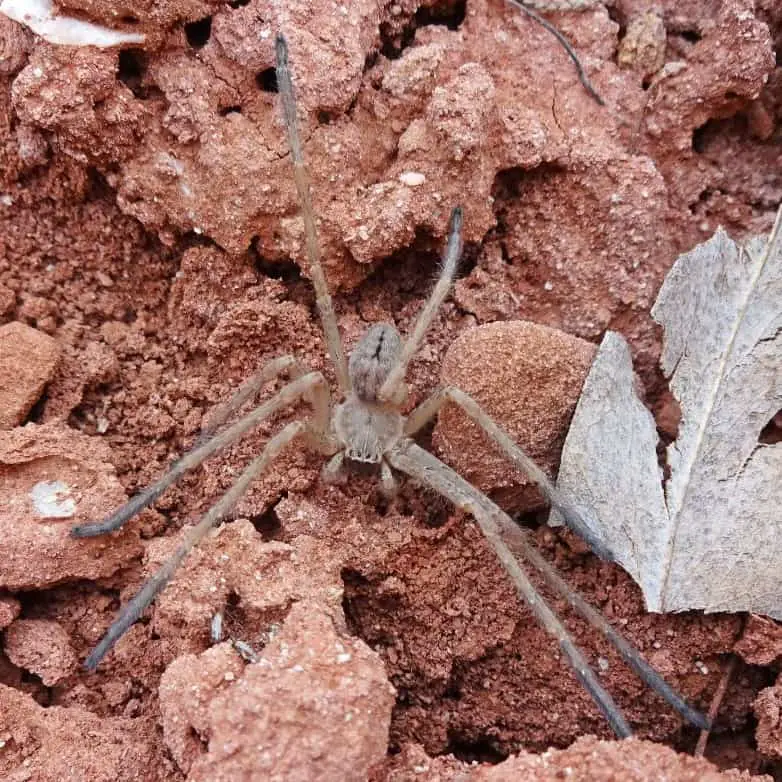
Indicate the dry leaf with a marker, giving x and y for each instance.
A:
(712, 537)
(39, 16)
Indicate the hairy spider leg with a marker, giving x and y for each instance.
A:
(301, 177)
(453, 251)
(154, 585)
(518, 541)
(429, 408)
(312, 386)
(250, 388)
(409, 458)
(425, 412)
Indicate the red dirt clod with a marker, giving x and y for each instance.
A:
(54, 744)
(316, 706)
(631, 760)
(528, 377)
(236, 570)
(28, 359)
(54, 477)
(74, 92)
(768, 710)
(15, 44)
(42, 647)
(761, 641)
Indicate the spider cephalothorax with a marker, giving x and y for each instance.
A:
(368, 427)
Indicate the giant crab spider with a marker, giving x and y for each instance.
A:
(367, 426)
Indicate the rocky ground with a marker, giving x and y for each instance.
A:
(151, 257)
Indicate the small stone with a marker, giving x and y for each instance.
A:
(42, 647)
(52, 478)
(643, 47)
(28, 359)
(761, 641)
(412, 178)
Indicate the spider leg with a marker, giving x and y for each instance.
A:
(572, 516)
(156, 583)
(414, 461)
(322, 297)
(518, 541)
(453, 251)
(311, 385)
(249, 389)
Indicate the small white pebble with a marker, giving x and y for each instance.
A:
(412, 178)
(229, 676)
(603, 663)
(102, 425)
(345, 657)
(657, 645)
(548, 285)
(701, 666)
(52, 500)
(6, 199)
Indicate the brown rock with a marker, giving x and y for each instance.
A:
(316, 706)
(54, 477)
(56, 744)
(187, 689)
(768, 710)
(41, 647)
(74, 91)
(528, 379)
(643, 47)
(28, 359)
(761, 641)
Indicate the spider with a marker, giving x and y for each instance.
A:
(367, 427)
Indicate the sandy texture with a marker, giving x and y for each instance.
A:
(761, 642)
(148, 225)
(768, 710)
(317, 705)
(587, 758)
(41, 647)
(56, 744)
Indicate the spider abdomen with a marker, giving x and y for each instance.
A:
(372, 359)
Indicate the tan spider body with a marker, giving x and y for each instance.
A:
(367, 427)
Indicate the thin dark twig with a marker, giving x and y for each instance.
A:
(582, 76)
(716, 702)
